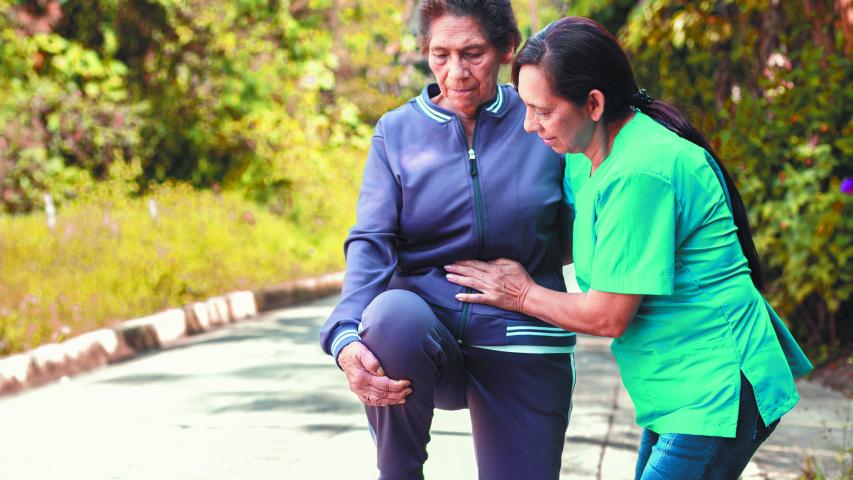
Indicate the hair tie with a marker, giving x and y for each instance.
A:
(641, 99)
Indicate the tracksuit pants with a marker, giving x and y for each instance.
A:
(519, 402)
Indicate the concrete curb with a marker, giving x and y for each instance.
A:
(99, 348)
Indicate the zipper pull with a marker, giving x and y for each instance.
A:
(472, 157)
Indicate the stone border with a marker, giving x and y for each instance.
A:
(102, 347)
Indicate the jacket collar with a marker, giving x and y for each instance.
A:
(496, 106)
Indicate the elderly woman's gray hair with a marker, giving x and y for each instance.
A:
(495, 17)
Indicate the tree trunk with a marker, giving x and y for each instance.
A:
(813, 334)
(534, 17)
(333, 20)
(845, 14)
(817, 12)
(408, 12)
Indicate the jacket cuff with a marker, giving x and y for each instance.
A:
(341, 337)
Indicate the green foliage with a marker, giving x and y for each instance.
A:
(109, 260)
(770, 86)
(218, 93)
(64, 115)
(533, 16)
(380, 67)
(611, 14)
(239, 92)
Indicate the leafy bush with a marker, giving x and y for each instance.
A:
(217, 93)
(64, 113)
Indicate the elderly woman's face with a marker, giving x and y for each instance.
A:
(464, 63)
(562, 125)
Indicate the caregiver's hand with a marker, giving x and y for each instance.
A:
(367, 377)
(504, 282)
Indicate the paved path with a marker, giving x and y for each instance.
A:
(258, 400)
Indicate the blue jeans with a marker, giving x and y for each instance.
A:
(697, 457)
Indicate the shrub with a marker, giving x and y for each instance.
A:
(65, 115)
(109, 260)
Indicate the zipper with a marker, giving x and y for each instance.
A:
(481, 220)
(478, 203)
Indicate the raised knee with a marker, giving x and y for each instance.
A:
(399, 316)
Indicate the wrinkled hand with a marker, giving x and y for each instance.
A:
(367, 378)
(504, 282)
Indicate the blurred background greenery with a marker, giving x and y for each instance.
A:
(198, 146)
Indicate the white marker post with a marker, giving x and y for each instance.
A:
(152, 209)
(50, 211)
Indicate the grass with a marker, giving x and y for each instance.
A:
(840, 467)
(109, 260)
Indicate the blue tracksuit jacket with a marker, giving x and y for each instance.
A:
(428, 199)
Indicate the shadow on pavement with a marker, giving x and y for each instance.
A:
(309, 402)
(144, 378)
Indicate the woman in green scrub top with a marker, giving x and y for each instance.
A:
(663, 254)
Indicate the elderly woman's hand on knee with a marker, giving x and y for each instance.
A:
(367, 378)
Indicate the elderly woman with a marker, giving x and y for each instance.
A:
(452, 175)
(664, 257)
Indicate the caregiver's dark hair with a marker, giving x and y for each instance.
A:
(496, 18)
(579, 55)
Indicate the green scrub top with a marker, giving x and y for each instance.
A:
(654, 219)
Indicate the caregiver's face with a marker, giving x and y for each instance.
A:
(464, 63)
(562, 125)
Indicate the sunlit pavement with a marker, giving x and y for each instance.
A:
(259, 400)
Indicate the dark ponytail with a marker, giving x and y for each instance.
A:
(579, 55)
